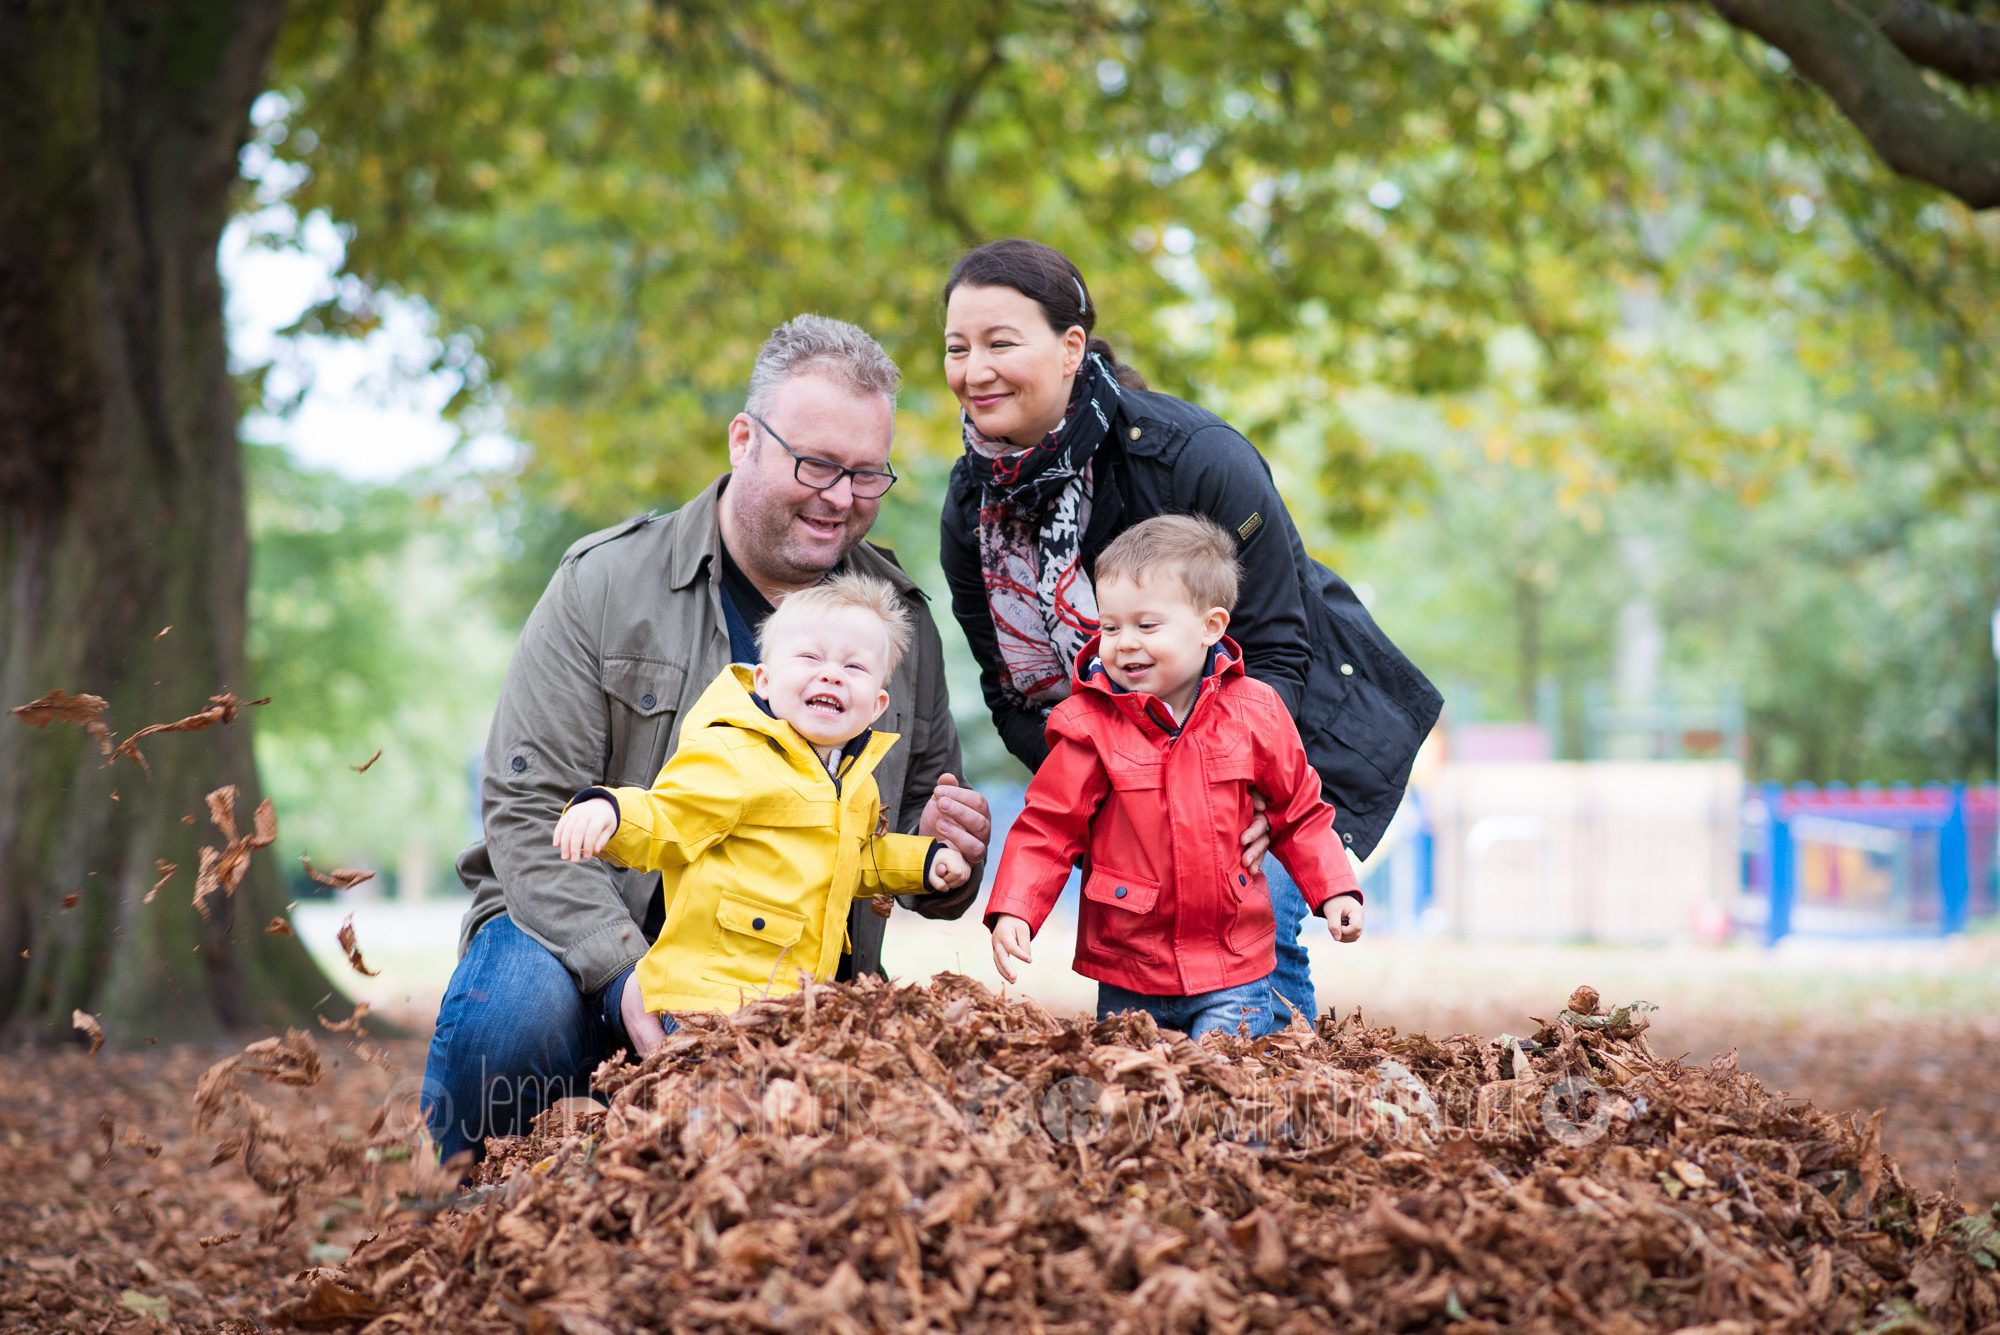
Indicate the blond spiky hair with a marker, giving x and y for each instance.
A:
(864, 592)
(1198, 552)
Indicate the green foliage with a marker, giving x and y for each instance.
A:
(1496, 282)
(362, 634)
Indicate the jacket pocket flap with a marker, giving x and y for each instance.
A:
(774, 927)
(646, 686)
(792, 813)
(1132, 893)
(1130, 771)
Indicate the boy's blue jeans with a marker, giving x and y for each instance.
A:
(513, 1036)
(1224, 1011)
(1292, 980)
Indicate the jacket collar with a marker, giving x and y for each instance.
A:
(697, 542)
(1225, 660)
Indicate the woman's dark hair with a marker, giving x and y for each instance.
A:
(1045, 276)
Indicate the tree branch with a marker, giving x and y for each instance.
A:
(1954, 44)
(1918, 129)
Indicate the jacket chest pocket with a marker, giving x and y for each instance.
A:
(642, 697)
(1135, 773)
(1224, 763)
(752, 943)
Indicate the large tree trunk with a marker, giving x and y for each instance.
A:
(122, 511)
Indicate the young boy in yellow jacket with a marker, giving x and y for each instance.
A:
(765, 820)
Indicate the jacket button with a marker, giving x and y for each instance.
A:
(1241, 879)
(756, 924)
(1121, 892)
(1135, 433)
(518, 763)
(1347, 669)
(1347, 838)
(647, 701)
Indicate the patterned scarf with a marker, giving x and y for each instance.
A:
(1034, 507)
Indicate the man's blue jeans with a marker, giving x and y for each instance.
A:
(1223, 1011)
(513, 1036)
(1292, 980)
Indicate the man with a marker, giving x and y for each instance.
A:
(637, 621)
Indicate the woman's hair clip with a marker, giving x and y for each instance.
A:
(1082, 302)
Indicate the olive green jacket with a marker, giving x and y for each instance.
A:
(625, 639)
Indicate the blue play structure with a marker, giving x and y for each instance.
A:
(1869, 861)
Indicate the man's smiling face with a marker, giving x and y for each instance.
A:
(783, 533)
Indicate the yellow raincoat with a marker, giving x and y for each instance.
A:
(761, 851)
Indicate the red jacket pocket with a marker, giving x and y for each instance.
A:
(1134, 894)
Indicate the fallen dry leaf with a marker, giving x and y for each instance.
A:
(351, 1025)
(163, 632)
(86, 711)
(87, 1022)
(221, 709)
(347, 943)
(69, 901)
(166, 871)
(362, 768)
(339, 879)
(278, 927)
(222, 870)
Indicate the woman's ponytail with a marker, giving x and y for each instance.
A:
(1127, 377)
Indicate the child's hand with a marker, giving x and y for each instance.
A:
(1011, 937)
(949, 869)
(1343, 916)
(585, 829)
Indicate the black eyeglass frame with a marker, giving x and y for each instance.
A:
(799, 461)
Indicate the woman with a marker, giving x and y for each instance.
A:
(1065, 449)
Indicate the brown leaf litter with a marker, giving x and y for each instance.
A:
(222, 870)
(221, 709)
(349, 944)
(339, 878)
(85, 711)
(867, 1157)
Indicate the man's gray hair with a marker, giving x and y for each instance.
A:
(817, 344)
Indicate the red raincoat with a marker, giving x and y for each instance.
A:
(1156, 814)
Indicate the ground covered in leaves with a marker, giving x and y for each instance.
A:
(932, 1158)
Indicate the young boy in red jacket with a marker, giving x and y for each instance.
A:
(1152, 760)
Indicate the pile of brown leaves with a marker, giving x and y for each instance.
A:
(118, 1215)
(867, 1157)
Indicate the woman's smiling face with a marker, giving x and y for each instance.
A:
(1010, 371)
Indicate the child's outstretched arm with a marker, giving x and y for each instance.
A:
(694, 801)
(1049, 835)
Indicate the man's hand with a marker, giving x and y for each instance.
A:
(585, 829)
(1011, 937)
(641, 1025)
(959, 817)
(1256, 839)
(949, 869)
(1344, 915)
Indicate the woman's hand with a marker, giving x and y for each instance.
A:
(585, 829)
(1344, 916)
(1011, 937)
(1257, 838)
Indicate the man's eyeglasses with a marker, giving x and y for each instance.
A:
(820, 474)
